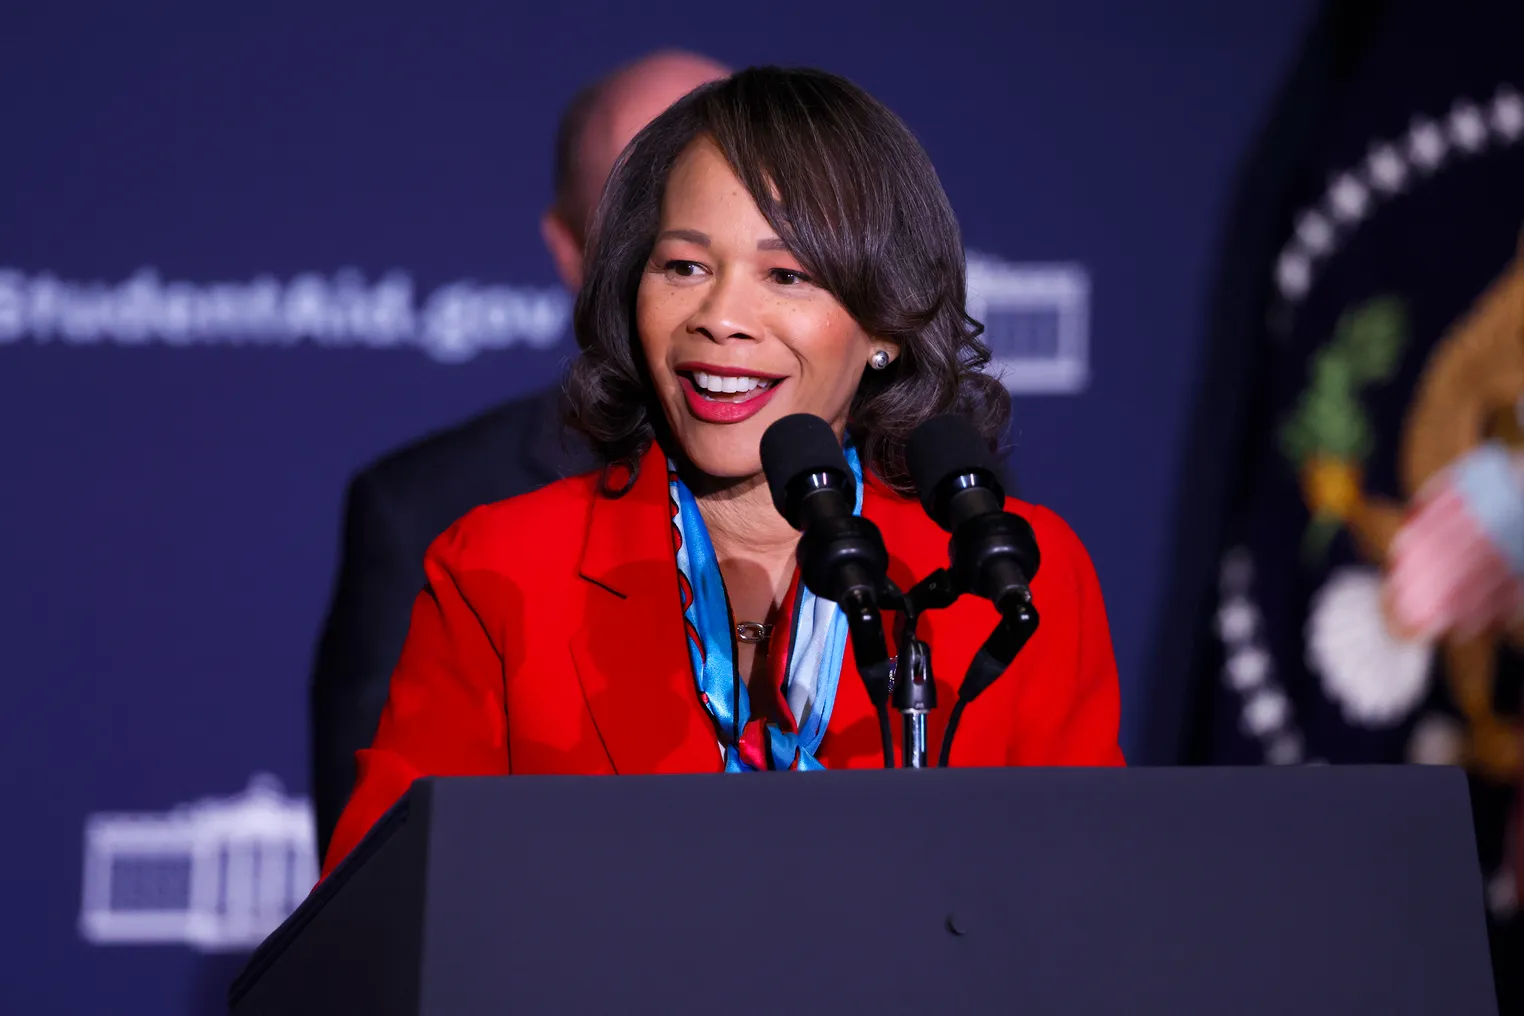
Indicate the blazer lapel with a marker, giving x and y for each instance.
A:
(631, 653)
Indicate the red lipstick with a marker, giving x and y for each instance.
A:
(689, 366)
(726, 411)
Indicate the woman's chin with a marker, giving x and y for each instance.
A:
(726, 456)
(727, 467)
(725, 452)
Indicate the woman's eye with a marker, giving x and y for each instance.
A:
(788, 277)
(683, 269)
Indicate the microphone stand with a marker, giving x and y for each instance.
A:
(914, 686)
(907, 681)
(915, 695)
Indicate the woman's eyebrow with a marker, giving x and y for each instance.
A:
(691, 235)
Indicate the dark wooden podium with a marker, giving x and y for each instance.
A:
(1283, 892)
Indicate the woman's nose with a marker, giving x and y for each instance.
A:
(729, 311)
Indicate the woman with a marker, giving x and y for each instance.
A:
(774, 243)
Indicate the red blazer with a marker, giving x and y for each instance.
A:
(549, 640)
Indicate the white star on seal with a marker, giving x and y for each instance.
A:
(1236, 621)
(1248, 668)
(1265, 712)
(1315, 232)
(1426, 145)
(1502, 895)
(1349, 198)
(1293, 274)
(1467, 128)
(1238, 566)
(1286, 750)
(1388, 173)
(1508, 114)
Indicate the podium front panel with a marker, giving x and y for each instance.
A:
(1243, 891)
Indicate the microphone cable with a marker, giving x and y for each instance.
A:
(996, 654)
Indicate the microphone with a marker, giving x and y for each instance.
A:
(841, 555)
(994, 552)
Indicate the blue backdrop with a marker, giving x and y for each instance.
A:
(245, 250)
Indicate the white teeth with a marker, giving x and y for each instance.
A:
(725, 385)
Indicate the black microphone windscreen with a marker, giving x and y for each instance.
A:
(801, 444)
(943, 446)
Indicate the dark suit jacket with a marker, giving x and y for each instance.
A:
(394, 509)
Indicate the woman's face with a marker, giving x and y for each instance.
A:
(735, 334)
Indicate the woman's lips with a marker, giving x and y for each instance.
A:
(728, 409)
(693, 366)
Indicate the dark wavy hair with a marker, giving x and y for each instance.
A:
(855, 198)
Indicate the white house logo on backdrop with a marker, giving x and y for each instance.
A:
(1036, 322)
(1036, 316)
(220, 874)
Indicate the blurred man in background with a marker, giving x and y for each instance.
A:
(399, 504)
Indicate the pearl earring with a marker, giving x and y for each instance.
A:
(879, 360)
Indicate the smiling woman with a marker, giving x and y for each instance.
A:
(799, 229)
(775, 243)
(731, 290)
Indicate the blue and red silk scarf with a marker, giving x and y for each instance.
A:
(804, 653)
